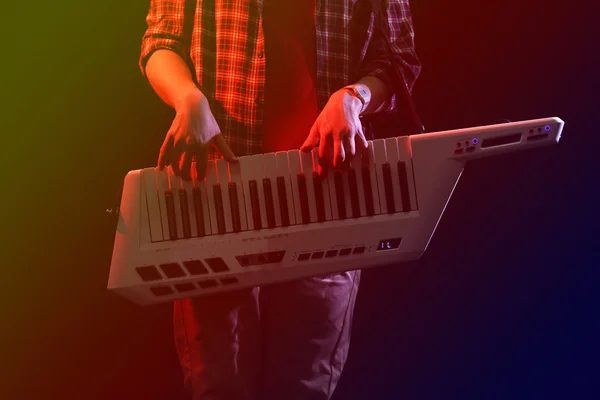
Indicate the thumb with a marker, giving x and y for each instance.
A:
(312, 139)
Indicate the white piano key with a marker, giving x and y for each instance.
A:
(283, 170)
(356, 163)
(306, 163)
(153, 205)
(324, 185)
(270, 160)
(391, 147)
(374, 183)
(211, 180)
(162, 184)
(144, 216)
(347, 196)
(405, 154)
(380, 159)
(259, 173)
(295, 169)
(236, 176)
(189, 187)
(223, 179)
(332, 193)
(201, 185)
(247, 174)
(175, 185)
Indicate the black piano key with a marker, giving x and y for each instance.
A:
(402, 173)
(303, 192)
(368, 188)
(283, 204)
(219, 209)
(269, 204)
(339, 194)
(319, 197)
(353, 186)
(389, 189)
(172, 221)
(185, 214)
(255, 204)
(235, 207)
(198, 210)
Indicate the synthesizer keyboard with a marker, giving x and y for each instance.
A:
(270, 218)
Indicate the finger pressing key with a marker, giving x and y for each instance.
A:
(165, 151)
(339, 155)
(186, 163)
(224, 149)
(201, 162)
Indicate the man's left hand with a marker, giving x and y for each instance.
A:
(337, 128)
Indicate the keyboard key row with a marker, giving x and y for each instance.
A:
(278, 189)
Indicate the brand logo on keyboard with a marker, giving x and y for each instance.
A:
(267, 237)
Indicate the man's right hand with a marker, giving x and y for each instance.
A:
(193, 130)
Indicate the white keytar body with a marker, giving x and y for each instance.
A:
(149, 266)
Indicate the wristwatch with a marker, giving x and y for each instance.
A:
(361, 93)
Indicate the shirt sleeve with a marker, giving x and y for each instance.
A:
(401, 37)
(165, 20)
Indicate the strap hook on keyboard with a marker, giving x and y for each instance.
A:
(114, 211)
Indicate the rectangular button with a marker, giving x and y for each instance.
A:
(247, 175)
(236, 178)
(283, 172)
(270, 161)
(223, 179)
(155, 222)
(380, 159)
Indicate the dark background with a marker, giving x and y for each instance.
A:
(502, 306)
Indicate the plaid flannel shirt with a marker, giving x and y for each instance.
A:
(222, 40)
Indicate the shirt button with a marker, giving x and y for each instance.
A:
(261, 54)
(258, 101)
